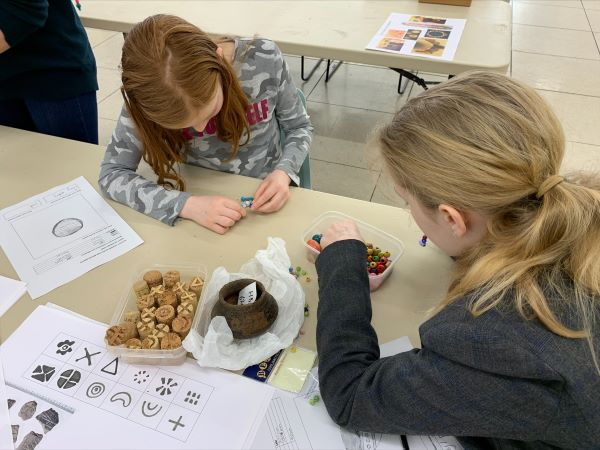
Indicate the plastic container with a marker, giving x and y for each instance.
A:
(371, 234)
(128, 303)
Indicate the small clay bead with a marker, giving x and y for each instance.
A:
(161, 330)
(147, 301)
(373, 264)
(153, 278)
(157, 290)
(167, 297)
(141, 288)
(133, 343)
(170, 278)
(145, 328)
(189, 297)
(170, 341)
(196, 286)
(115, 335)
(131, 316)
(151, 342)
(181, 325)
(130, 330)
(179, 288)
(165, 314)
(186, 309)
(148, 314)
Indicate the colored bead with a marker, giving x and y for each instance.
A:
(369, 258)
(317, 237)
(376, 258)
(298, 269)
(387, 254)
(314, 244)
(373, 265)
(369, 251)
(291, 269)
(314, 400)
(369, 245)
(380, 268)
(383, 260)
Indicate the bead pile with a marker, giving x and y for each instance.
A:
(377, 260)
(246, 202)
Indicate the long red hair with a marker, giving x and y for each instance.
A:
(170, 70)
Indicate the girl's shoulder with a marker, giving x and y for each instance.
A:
(256, 48)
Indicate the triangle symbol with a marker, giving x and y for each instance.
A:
(112, 367)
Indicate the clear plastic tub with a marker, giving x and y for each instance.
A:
(371, 234)
(128, 303)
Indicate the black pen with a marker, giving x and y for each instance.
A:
(404, 442)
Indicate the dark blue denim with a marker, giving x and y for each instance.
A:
(74, 118)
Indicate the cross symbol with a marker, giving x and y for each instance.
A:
(177, 423)
(88, 356)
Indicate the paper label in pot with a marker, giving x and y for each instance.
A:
(247, 295)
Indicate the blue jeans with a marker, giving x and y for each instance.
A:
(74, 118)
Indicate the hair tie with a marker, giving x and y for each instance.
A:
(548, 184)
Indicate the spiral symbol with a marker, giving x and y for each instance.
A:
(95, 390)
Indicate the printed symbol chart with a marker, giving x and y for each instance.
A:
(150, 396)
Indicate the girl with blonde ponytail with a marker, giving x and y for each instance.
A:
(510, 358)
(226, 104)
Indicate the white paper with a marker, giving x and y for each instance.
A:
(292, 422)
(10, 291)
(247, 295)
(57, 236)
(150, 407)
(6, 442)
(419, 36)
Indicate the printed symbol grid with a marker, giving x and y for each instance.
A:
(147, 395)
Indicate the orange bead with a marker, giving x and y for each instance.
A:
(314, 244)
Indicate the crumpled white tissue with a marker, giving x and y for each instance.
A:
(212, 343)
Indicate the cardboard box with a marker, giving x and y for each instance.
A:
(448, 2)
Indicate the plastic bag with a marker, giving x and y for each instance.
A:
(212, 343)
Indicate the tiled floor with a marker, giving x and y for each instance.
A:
(555, 49)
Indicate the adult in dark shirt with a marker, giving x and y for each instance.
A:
(510, 359)
(47, 70)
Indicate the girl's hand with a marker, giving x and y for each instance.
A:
(339, 231)
(216, 213)
(272, 193)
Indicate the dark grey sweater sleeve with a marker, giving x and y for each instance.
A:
(425, 391)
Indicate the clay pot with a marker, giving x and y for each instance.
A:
(246, 321)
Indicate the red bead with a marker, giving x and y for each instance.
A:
(380, 268)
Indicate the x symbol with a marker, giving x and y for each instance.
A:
(177, 423)
(88, 356)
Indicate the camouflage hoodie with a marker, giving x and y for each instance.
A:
(275, 109)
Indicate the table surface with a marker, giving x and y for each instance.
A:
(32, 163)
(327, 29)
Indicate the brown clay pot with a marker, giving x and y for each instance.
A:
(246, 321)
